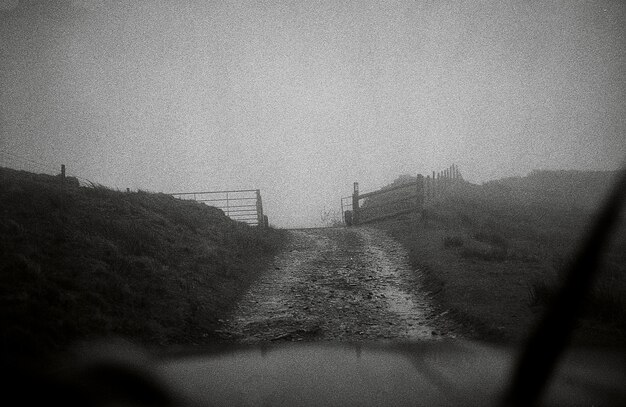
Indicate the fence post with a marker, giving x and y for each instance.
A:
(420, 192)
(343, 217)
(62, 172)
(439, 185)
(355, 204)
(259, 209)
(431, 189)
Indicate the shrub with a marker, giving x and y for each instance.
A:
(491, 238)
(541, 292)
(452, 241)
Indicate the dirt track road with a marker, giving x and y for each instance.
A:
(337, 284)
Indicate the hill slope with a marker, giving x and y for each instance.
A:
(82, 263)
(493, 253)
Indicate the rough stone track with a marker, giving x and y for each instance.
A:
(337, 284)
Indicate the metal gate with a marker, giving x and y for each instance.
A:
(387, 202)
(243, 205)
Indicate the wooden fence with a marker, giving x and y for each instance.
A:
(399, 198)
(243, 205)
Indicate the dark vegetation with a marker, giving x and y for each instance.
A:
(493, 254)
(84, 263)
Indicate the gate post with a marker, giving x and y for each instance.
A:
(419, 183)
(259, 210)
(343, 217)
(355, 204)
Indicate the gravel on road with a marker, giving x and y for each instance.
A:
(349, 284)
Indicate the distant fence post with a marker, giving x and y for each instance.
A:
(355, 204)
(259, 210)
(342, 215)
(62, 172)
(420, 192)
(439, 184)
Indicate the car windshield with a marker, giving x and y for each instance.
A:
(186, 174)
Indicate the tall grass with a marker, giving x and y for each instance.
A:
(495, 253)
(88, 262)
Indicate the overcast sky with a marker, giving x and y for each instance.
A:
(302, 98)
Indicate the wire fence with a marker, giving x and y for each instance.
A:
(18, 162)
(240, 205)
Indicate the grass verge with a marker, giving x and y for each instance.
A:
(81, 263)
(494, 261)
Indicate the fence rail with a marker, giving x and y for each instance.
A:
(405, 197)
(236, 204)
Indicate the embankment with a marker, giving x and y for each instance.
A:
(84, 263)
(493, 254)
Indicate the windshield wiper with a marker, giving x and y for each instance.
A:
(547, 342)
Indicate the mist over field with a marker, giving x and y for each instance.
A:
(300, 99)
(116, 268)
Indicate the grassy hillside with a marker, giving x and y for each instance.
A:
(89, 262)
(492, 253)
(580, 190)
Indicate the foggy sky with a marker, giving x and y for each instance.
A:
(300, 99)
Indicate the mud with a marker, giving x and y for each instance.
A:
(338, 284)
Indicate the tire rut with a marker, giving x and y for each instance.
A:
(337, 284)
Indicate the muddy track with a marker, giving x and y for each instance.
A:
(337, 284)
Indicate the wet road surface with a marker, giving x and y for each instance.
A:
(338, 284)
